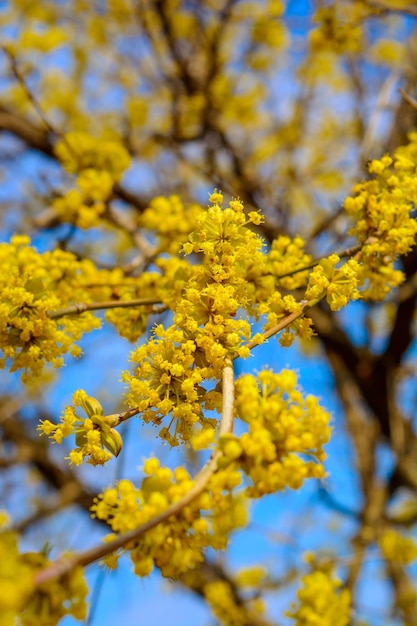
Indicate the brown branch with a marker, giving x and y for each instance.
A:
(365, 435)
(30, 96)
(346, 253)
(288, 319)
(41, 139)
(63, 566)
(82, 307)
(70, 490)
(383, 8)
(411, 101)
(402, 332)
(405, 592)
(372, 519)
(68, 494)
(35, 452)
(25, 130)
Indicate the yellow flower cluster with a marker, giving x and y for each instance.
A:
(43, 605)
(132, 322)
(36, 40)
(170, 220)
(381, 210)
(80, 151)
(95, 438)
(32, 285)
(285, 256)
(51, 601)
(176, 274)
(99, 165)
(284, 430)
(321, 602)
(338, 285)
(177, 544)
(170, 368)
(397, 547)
(221, 599)
(278, 307)
(168, 380)
(251, 576)
(16, 579)
(336, 32)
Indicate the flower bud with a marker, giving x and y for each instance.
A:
(113, 441)
(92, 406)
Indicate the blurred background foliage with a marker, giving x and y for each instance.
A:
(281, 104)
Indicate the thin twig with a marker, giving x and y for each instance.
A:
(346, 253)
(32, 99)
(65, 565)
(304, 305)
(119, 418)
(81, 307)
(411, 101)
(384, 8)
(382, 105)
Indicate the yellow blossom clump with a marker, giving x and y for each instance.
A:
(321, 601)
(251, 576)
(170, 220)
(285, 256)
(209, 314)
(42, 40)
(16, 579)
(132, 322)
(75, 207)
(80, 151)
(99, 165)
(209, 326)
(278, 307)
(285, 430)
(336, 32)
(384, 225)
(167, 380)
(33, 285)
(338, 285)
(233, 259)
(398, 547)
(224, 604)
(224, 239)
(51, 601)
(211, 302)
(176, 272)
(95, 438)
(177, 544)
(41, 605)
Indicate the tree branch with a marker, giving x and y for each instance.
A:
(82, 307)
(63, 566)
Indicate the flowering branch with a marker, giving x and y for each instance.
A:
(291, 317)
(347, 253)
(66, 564)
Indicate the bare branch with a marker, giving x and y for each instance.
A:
(82, 307)
(411, 101)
